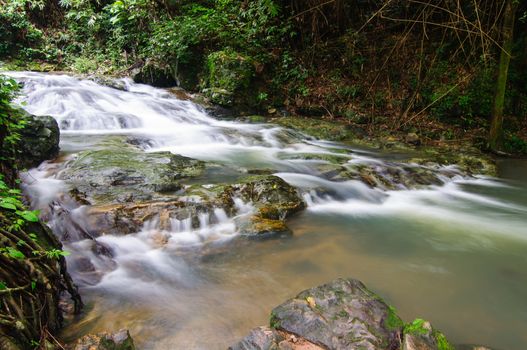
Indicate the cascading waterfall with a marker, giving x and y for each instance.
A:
(178, 283)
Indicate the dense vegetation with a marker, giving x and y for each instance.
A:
(390, 66)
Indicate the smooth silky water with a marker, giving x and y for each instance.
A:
(454, 254)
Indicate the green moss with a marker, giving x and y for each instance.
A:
(442, 342)
(416, 327)
(321, 129)
(274, 322)
(392, 321)
(343, 313)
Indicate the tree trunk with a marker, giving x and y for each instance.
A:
(496, 127)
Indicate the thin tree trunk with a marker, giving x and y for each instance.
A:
(496, 127)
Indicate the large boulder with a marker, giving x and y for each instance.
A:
(343, 314)
(127, 174)
(39, 140)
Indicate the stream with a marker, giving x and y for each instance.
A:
(453, 252)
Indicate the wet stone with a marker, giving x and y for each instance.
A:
(342, 314)
(120, 340)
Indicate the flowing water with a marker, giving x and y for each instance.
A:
(454, 253)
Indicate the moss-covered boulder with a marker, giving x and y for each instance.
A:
(274, 198)
(39, 139)
(343, 314)
(228, 73)
(127, 174)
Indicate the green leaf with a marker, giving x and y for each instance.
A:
(15, 253)
(7, 205)
(31, 216)
(33, 285)
(2, 286)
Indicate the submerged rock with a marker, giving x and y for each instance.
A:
(40, 139)
(120, 340)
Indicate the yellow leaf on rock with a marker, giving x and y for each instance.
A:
(311, 302)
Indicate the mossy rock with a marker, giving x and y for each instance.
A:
(271, 194)
(257, 226)
(342, 314)
(39, 139)
(127, 174)
(120, 340)
(420, 335)
(228, 73)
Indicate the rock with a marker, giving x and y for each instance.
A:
(261, 338)
(342, 314)
(420, 335)
(40, 138)
(108, 81)
(258, 227)
(180, 93)
(120, 340)
(127, 174)
(412, 138)
(323, 129)
(394, 176)
(219, 96)
(274, 198)
(228, 72)
(265, 338)
(130, 217)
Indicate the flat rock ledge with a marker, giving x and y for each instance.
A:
(342, 314)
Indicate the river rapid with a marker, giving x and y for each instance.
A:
(454, 253)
